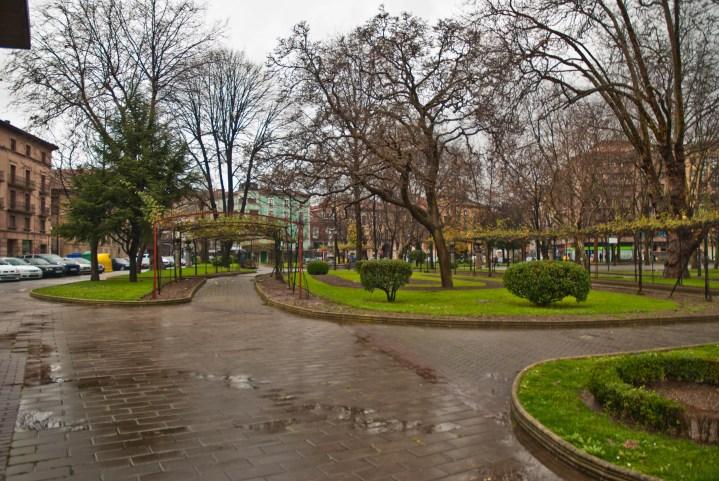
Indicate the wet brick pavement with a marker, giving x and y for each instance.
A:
(226, 388)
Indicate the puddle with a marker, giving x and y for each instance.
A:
(43, 421)
(239, 381)
(369, 420)
(274, 426)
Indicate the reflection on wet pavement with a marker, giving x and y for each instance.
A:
(252, 393)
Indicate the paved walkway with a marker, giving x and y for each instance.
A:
(226, 388)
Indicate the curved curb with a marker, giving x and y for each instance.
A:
(476, 323)
(108, 303)
(565, 451)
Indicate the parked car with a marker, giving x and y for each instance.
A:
(120, 264)
(26, 270)
(167, 261)
(85, 265)
(71, 267)
(8, 272)
(48, 269)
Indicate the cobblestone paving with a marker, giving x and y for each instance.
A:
(226, 388)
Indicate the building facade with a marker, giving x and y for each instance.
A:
(272, 203)
(25, 175)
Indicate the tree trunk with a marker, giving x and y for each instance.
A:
(445, 267)
(134, 262)
(359, 238)
(94, 272)
(681, 246)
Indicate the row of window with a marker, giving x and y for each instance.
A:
(28, 177)
(12, 223)
(28, 150)
(13, 201)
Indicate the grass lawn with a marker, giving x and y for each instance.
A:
(119, 288)
(484, 302)
(549, 392)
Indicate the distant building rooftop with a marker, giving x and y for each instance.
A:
(5, 124)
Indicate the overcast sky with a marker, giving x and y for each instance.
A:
(255, 25)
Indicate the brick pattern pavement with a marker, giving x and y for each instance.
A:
(226, 388)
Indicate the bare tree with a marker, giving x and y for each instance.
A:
(654, 64)
(226, 114)
(91, 62)
(405, 92)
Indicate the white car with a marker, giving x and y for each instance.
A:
(26, 270)
(8, 272)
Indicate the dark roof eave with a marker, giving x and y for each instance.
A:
(25, 133)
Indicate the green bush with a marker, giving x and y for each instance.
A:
(620, 387)
(318, 268)
(358, 265)
(545, 282)
(385, 275)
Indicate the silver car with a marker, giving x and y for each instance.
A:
(26, 270)
(8, 272)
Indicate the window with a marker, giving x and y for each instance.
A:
(27, 176)
(251, 200)
(13, 145)
(13, 199)
(27, 201)
(13, 223)
(13, 173)
(43, 156)
(28, 150)
(270, 202)
(315, 232)
(42, 206)
(42, 182)
(27, 224)
(41, 224)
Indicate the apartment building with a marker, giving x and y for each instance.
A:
(25, 170)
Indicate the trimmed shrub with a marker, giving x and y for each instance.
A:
(385, 275)
(318, 268)
(358, 265)
(619, 386)
(546, 282)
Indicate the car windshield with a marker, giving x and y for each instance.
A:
(77, 260)
(38, 261)
(15, 262)
(3, 263)
(54, 258)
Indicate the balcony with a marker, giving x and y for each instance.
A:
(19, 183)
(22, 209)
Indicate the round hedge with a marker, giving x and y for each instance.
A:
(318, 268)
(546, 282)
(386, 275)
(620, 387)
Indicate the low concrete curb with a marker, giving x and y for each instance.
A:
(487, 323)
(564, 451)
(105, 303)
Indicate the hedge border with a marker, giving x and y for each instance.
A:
(565, 451)
(375, 317)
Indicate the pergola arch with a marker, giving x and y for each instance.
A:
(234, 227)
